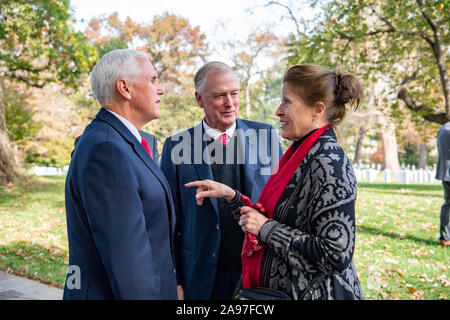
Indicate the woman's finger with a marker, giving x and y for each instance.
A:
(245, 210)
(198, 183)
(207, 194)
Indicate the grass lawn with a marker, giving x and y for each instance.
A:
(397, 254)
(33, 234)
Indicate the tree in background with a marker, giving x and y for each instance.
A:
(408, 43)
(21, 126)
(416, 141)
(251, 58)
(401, 42)
(175, 48)
(37, 46)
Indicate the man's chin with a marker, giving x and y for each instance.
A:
(229, 119)
(154, 116)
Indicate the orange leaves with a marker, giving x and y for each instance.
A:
(415, 294)
(411, 289)
(399, 271)
(420, 252)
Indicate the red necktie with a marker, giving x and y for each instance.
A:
(145, 145)
(224, 139)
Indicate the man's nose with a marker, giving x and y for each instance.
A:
(229, 100)
(161, 90)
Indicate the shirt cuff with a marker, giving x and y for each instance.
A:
(267, 230)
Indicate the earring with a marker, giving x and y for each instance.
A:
(317, 124)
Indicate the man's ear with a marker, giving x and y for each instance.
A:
(123, 87)
(319, 110)
(198, 97)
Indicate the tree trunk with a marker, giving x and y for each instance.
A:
(9, 170)
(422, 156)
(390, 151)
(361, 135)
(247, 99)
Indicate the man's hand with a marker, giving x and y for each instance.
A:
(180, 292)
(211, 189)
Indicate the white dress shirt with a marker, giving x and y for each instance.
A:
(216, 134)
(129, 125)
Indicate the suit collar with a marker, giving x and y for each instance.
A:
(214, 133)
(240, 124)
(118, 125)
(127, 124)
(114, 122)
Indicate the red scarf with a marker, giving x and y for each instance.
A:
(252, 250)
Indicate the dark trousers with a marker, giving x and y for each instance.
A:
(445, 213)
(225, 284)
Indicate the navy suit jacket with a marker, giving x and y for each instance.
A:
(152, 144)
(151, 141)
(198, 231)
(120, 217)
(443, 144)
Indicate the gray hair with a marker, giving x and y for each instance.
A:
(213, 66)
(120, 63)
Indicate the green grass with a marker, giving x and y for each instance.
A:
(397, 254)
(33, 235)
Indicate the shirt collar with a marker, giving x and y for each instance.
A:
(129, 125)
(215, 134)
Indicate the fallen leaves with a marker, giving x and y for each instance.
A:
(443, 280)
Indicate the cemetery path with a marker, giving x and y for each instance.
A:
(17, 288)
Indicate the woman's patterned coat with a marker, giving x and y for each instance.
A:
(312, 233)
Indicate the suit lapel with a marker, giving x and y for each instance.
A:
(244, 146)
(202, 167)
(108, 117)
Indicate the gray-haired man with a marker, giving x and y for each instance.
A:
(236, 152)
(120, 218)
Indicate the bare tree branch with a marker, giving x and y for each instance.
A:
(291, 14)
(410, 78)
(36, 84)
(391, 29)
(416, 106)
(433, 25)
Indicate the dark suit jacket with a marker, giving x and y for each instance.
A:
(443, 143)
(198, 229)
(120, 217)
(151, 141)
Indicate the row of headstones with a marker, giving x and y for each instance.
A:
(403, 176)
(403, 166)
(370, 174)
(49, 171)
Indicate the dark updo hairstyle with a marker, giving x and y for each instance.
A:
(334, 89)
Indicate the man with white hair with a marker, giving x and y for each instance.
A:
(224, 148)
(120, 214)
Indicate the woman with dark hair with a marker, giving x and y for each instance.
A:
(300, 236)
